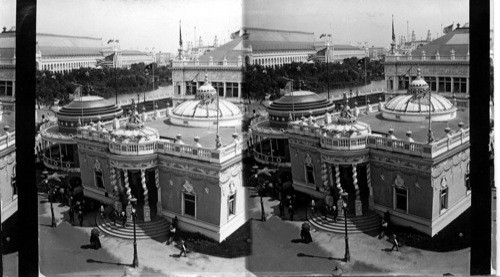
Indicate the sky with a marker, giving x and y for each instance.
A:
(138, 24)
(141, 24)
(357, 20)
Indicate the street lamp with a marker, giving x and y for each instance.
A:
(133, 202)
(347, 256)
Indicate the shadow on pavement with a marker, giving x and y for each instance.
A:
(297, 241)
(86, 246)
(386, 250)
(313, 256)
(101, 262)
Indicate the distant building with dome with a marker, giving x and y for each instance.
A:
(381, 157)
(444, 64)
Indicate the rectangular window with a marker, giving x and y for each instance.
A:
(459, 85)
(447, 82)
(444, 199)
(310, 175)
(189, 204)
(401, 199)
(219, 87)
(99, 182)
(432, 82)
(390, 84)
(191, 88)
(9, 88)
(3, 88)
(441, 84)
(231, 204)
(231, 89)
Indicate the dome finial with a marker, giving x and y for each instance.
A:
(206, 78)
(418, 73)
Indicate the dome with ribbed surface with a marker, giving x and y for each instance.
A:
(203, 111)
(417, 103)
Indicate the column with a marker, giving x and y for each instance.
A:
(129, 196)
(157, 182)
(60, 155)
(357, 202)
(146, 209)
(437, 83)
(467, 86)
(396, 82)
(452, 84)
(116, 192)
(271, 148)
(371, 203)
(224, 94)
(239, 90)
(339, 187)
(14, 88)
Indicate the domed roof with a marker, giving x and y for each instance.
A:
(205, 105)
(417, 99)
(297, 97)
(295, 104)
(87, 106)
(206, 90)
(410, 104)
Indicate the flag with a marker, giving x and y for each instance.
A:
(180, 35)
(110, 57)
(448, 29)
(322, 35)
(393, 34)
(109, 41)
(235, 34)
(148, 66)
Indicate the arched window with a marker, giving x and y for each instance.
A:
(400, 195)
(443, 197)
(188, 200)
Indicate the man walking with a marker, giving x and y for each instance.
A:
(80, 217)
(71, 214)
(183, 248)
(282, 208)
(395, 243)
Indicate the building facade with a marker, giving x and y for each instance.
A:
(352, 156)
(444, 63)
(8, 70)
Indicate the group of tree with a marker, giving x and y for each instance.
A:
(104, 82)
(317, 77)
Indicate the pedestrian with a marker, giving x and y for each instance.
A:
(282, 208)
(183, 248)
(115, 216)
(95, 243)
(395, 243)
(171, 235)
(53, 224)
(124, 218)
(387, 217)
(308, 235)
(383, 229)
(70, 201)
(291, 211)
(327, 210)
(102, 211)
(313, 206)
(335, 213)
(80, 217)
(61, 195)
(175, 221)
(288, 199)
(263, 212)
(71, 214)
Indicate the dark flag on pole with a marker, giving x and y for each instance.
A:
(180, 34)
(109, 41)
(393, 34)
(149, 66)
(448, 29)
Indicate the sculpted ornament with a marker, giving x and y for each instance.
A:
(399, 182)
(187, 187)
(97, 165)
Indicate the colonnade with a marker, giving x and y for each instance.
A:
(118, 186)
(279, 61)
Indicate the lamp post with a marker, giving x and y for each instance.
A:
(347, 256)
(133, 202)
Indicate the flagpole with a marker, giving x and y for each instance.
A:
(116, 84)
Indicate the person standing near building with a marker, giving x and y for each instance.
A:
(327, 210)
(282, 208)
(383, 229)
(124, 218)
(313, 206)
(291, 211)
(80, 217)
(101, 209)
(335, 213)
(71, 214)
(171, 235)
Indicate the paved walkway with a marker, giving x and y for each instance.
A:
(275, 250)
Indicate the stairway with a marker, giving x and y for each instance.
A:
(144, 230)
(370, 221)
